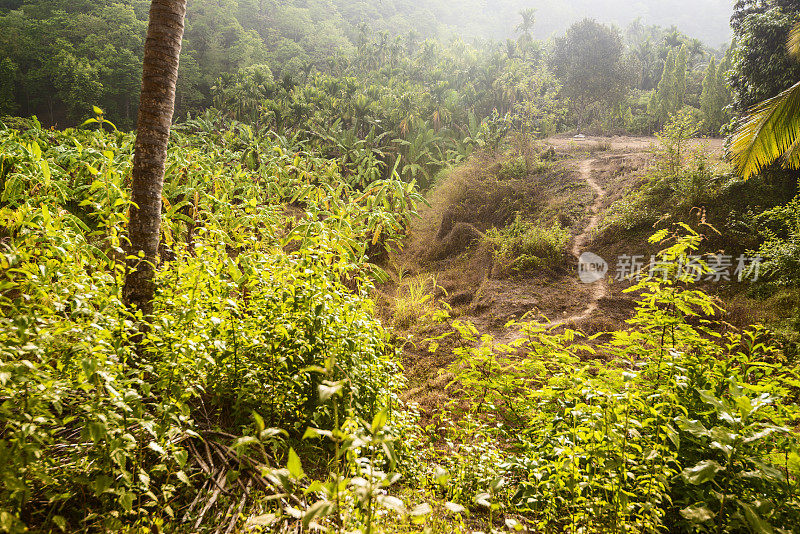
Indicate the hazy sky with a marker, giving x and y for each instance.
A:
(707, 20)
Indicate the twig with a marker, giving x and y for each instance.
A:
(242, 502)
(220, 482)
(195, 501)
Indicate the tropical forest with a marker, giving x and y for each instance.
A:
(400, 266)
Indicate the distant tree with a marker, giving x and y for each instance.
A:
(679, 79)
(528, 20)
(708, 98)
(670, 95)
(525, 27)
(8, 74)
(157, 104)
(716, 95)
(588, 62)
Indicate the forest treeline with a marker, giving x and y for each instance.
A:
(286, 63)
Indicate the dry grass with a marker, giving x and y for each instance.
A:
(414, 300)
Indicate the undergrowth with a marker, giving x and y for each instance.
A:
(524, 246)
(262, 325)
(683, 425)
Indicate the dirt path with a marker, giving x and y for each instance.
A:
(599, 289)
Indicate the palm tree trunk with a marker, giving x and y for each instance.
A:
(160, 74)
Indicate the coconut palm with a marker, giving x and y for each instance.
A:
(525, 27)
(771, 130)
(528, 21)
(160, 73)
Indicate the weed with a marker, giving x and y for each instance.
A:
(524, 246)
(414, 301)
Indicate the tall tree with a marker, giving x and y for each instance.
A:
(157, 104)
(588, 61)
(525, 27)
(708, 98)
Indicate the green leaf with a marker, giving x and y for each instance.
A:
(45, 171)
(260, 426)
(702, 472)
(379, 421)
(294, 466)
(97, 110)
(126, 500)
(328, 390)
(692, 426)
(60, 522)
(697, 513)
(244, 441)
(101, 484)
(318, 509)
(312, 433)
(756, 522)
(183, 477)
(709, 398)
(181, 456)
(673, 436)
(36, 151)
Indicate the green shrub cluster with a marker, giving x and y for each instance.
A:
(677, 424)
(252, 311)
(525, 246)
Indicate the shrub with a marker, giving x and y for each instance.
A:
(513, 169)
(524, 246)
(686, 428)
(255, 313)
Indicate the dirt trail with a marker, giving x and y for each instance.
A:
(592, 174)
(599, 288)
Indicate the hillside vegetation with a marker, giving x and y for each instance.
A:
(372, 308)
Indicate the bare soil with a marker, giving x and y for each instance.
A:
(446, 244)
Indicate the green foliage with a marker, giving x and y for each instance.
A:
(716, 95)
(680, 127)
(588, 59)
(780, 231)
(668, 99)
(524, 246)
(679, 181)
(685, 428)
(250, 309)
(761, 66)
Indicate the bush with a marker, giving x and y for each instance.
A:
(524, 246)
(513, 169)
(255, 313)
(688, 427)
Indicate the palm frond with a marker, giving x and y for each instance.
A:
(794, 41)
(770, 131)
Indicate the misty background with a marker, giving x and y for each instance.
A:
(707, 20)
